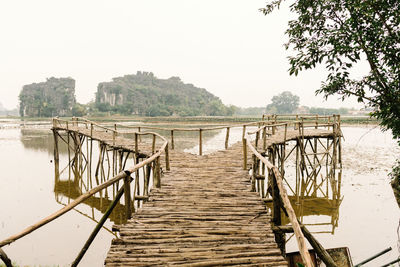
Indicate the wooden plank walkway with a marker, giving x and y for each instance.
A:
(203, 215)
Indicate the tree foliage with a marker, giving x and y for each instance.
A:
(55, 97)
(146, 95)
(284, 103)
(339, 34)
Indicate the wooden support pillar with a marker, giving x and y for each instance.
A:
(227, 138)
(147, 179)
(257, 138)
(172, 140)
(200, 142)
(153, 144)
(167, 158)
(5, 259)
(264, 137)
(276, 213)
(127, 194)
(244, 141)
(157, 173)
(254, 174)
(56, 156)
(136, 143)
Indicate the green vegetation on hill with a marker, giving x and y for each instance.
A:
(145, 95)
(55, 97)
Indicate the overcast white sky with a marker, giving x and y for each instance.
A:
(227, 47)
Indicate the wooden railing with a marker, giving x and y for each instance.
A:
(200, 131)
(279, 194)
(150, 163)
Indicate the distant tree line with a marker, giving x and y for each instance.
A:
(141, 94)
(146, 95)
(288, 103)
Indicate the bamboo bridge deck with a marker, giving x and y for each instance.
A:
(204, 214)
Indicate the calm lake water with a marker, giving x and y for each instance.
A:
(366, 221)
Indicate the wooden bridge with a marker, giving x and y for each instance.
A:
(224, 208)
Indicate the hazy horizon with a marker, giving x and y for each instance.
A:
(227, 47)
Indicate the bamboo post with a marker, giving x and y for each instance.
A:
(172, 140)
(91, 130)
(200, 142)
(244, 141)
(276, 212)
(97, 228)
(318, 248)
(296, 123)
(264, 137)
(153, 145)
(56, 156)
(114, 133)
(254, 174)
(136, 144)
(157, 173)
(227, 138)
(140, 137)
(244, 132)
(5, 259)
(257, 138)
(147, 179)
(127, 189)
(285, 135)
(316, 121)
(167, 158)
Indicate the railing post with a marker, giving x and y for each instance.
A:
(114, 133)
(316, 121)
(244, 141)
(153, 145)
(276, 213)
(227, 138)
(5, 259)
(97, 228)
(91, 129)
(172, 140)
(136, 143)
(200, 142)
(296, 123)
(264, 137)
(127, 193)
(167, 158)
(254, 174)
(157, 173)
(257, 138)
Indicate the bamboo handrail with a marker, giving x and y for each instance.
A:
(286, 202)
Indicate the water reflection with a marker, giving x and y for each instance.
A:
(96, 164)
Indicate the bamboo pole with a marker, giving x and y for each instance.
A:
(136, 143)
(172, 140)
(157, 173)
(98, 228)
(227, 138)
(200, 142)
(286, 203)
(56, 156)
(167, 158)
(5, 259)
(244, 154)
(153, 146)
